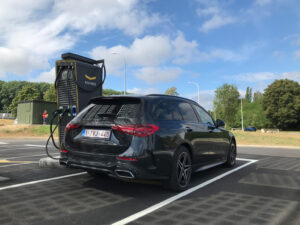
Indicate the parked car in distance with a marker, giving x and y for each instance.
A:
(250, 129)
(157, 137)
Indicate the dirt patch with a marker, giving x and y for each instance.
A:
(25, 131)
(4, 122)
(291, 138)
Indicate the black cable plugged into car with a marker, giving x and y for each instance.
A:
(60, 112)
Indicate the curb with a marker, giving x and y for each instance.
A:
(268, 146)
(49, 163)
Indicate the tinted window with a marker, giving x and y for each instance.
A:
(187, 112)
(167, 111)
(112, 109)
(204, 116)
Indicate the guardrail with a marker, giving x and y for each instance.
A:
(6, 116)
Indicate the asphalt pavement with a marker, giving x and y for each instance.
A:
(263, 188)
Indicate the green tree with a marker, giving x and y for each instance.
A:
(27, 93)
(248, 95)
(258, 97)
(253, 115)
(106, 92)
(281, 103)
(42, 87)
(1, 105)
(9, 91)
(172, 91)
(226, 103)
(50, 94)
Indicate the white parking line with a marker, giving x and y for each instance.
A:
(29, 145)
(18, 164)
(3, 143)
(180, 195)
(11, 149)
(40, 181)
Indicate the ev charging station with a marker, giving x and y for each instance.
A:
(78, 79)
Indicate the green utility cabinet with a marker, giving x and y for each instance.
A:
(31, 111)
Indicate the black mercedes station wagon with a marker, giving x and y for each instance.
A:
(147, 137)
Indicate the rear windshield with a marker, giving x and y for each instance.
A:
(113, 109)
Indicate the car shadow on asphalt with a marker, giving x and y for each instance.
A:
(138, 188)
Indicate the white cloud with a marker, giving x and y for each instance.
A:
(47, 76)
(86, 16)
(263, 2)
(153, 75)
(278, 54)
(223, 54)
(143, 91)
(264, 76)
(290, 75)
(184, 51)
(268, 2)
(206, 98)
(297, 54)
(215, 14)
(254, 77)
(18, 61)
(32, 32)
(147, 51)
(153, 51)
(216, 21)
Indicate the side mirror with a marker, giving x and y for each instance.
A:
(220, 123)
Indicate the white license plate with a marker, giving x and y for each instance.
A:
(96, 133)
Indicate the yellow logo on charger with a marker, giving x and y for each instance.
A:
(89, 78)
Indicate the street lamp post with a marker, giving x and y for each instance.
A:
(242, 117)
(197, 85)
(116, 53)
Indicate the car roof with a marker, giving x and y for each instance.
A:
(150, 96)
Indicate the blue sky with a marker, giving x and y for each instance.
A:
(164, 43)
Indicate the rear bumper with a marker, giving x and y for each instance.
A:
(110, 165)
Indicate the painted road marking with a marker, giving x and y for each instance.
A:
(29, 145)
(40, 181)
(3, 143)
(8, 161)
(11, 149)
(180, 195)
(19, 164)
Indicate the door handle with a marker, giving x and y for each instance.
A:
(188, 129)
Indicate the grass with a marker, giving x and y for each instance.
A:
(291, 138)
(20, 131)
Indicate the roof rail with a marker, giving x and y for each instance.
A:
(172, 96)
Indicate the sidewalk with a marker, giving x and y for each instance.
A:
(269, 146)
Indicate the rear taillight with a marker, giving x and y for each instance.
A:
(71, 126)
(64, 151)
(142, 130)
(126, 158)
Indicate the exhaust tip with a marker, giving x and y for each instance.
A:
(124, 174)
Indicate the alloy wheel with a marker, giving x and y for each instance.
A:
(183, 169)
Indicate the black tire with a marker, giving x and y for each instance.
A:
(231, 156)
(181, 171)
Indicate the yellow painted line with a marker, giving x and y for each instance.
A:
(8, 161)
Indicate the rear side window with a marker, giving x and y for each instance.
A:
(113, 109)
(187, 112)
(204, 116)
(167, 110)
